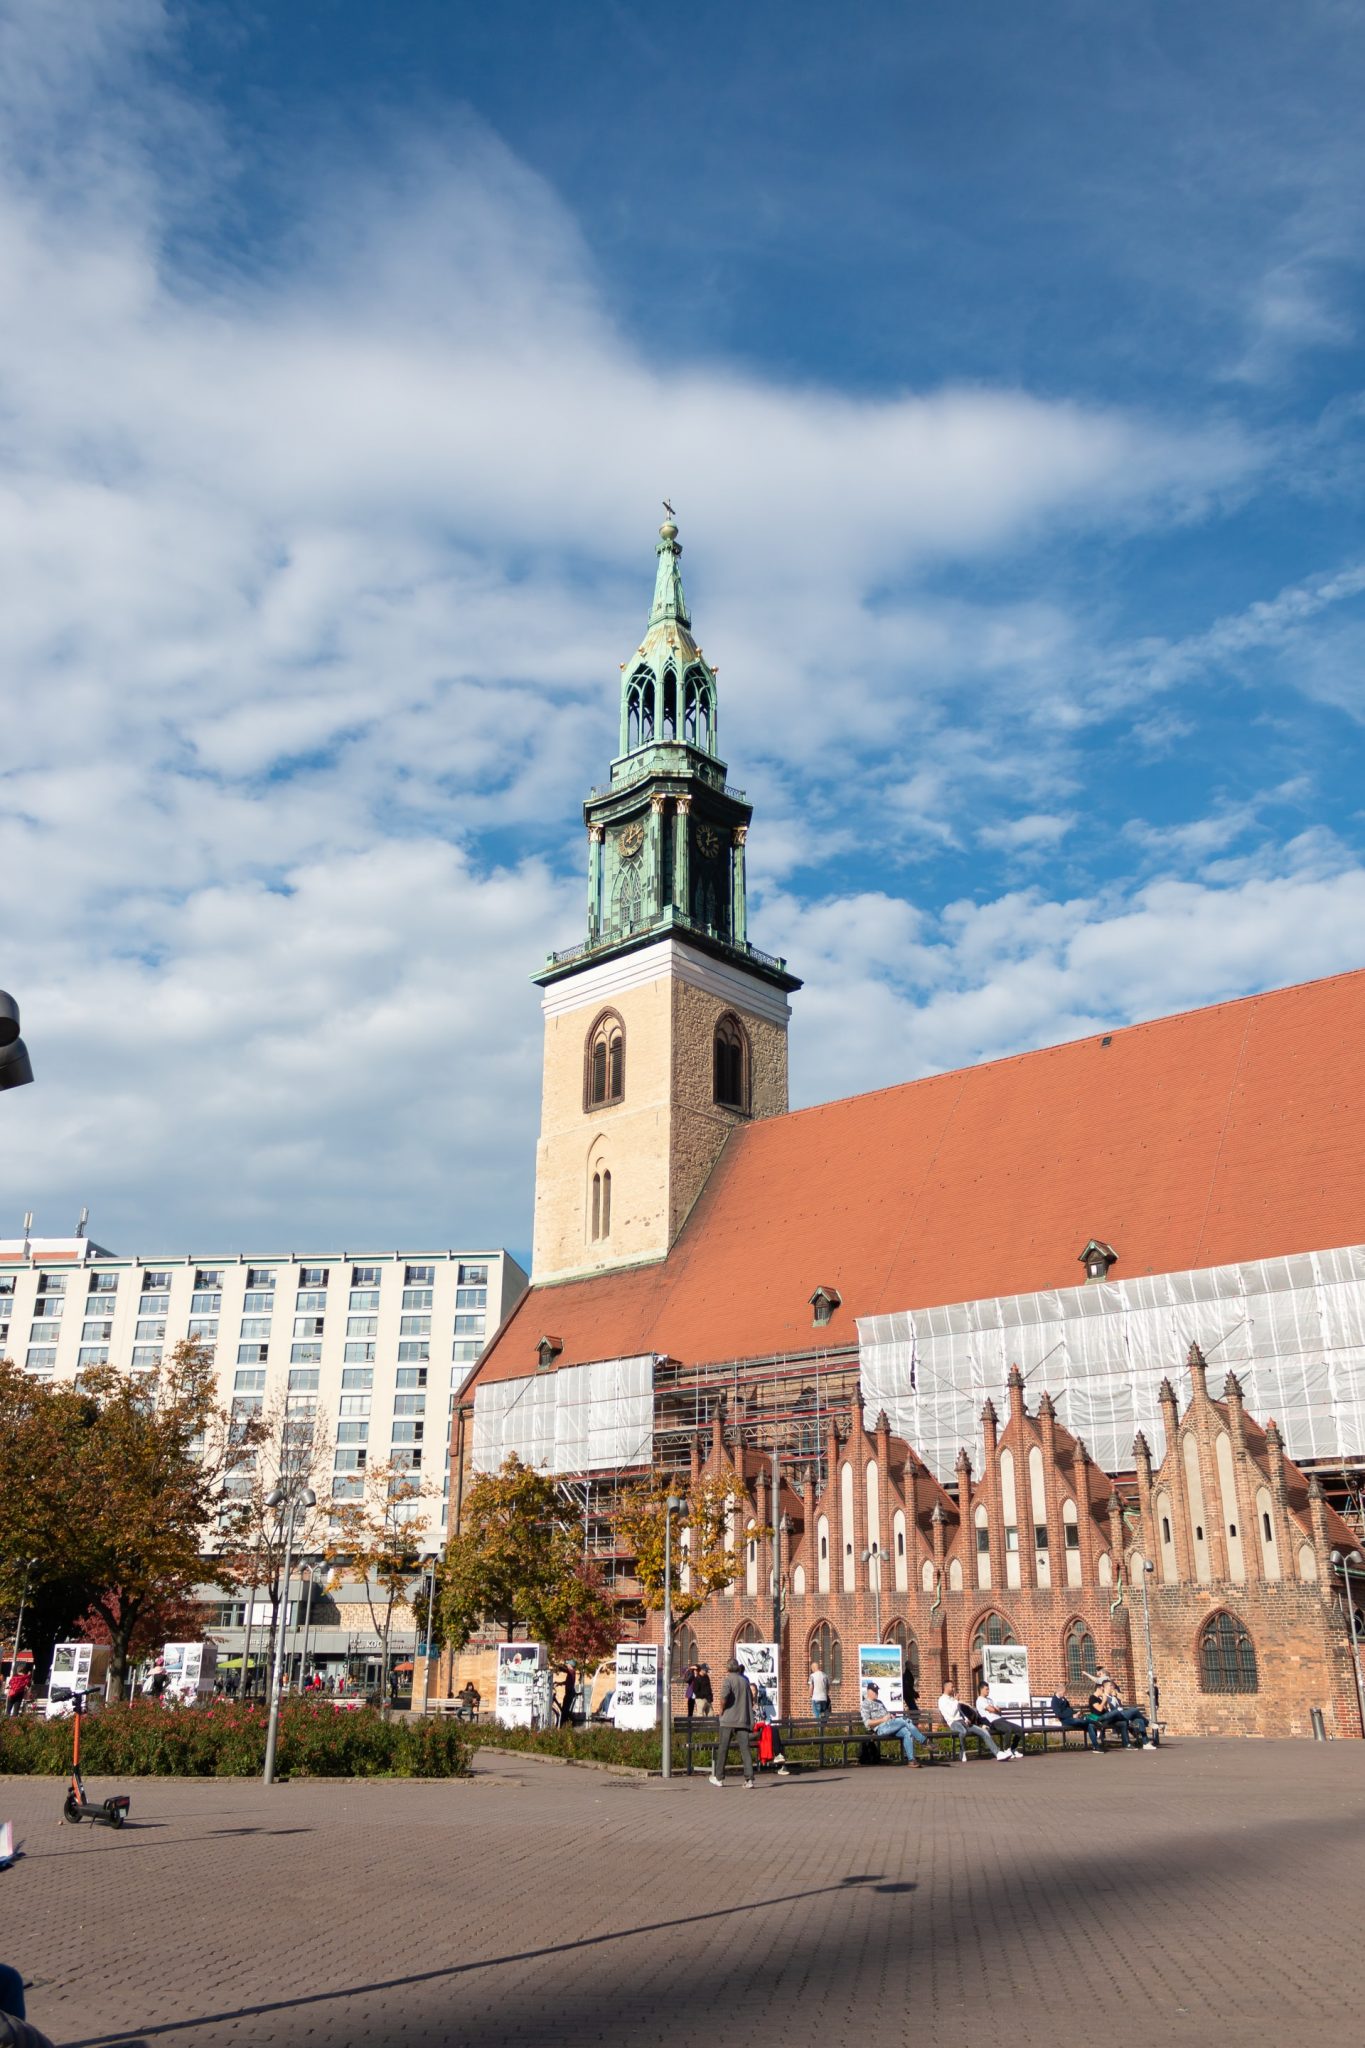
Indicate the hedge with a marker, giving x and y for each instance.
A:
(226, 1739)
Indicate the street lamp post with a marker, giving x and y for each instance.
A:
(1148, 1567)
(873, 1556)
(672, 1506)
(291, 1500)
(19, 1624)
(1344, 1559)
(431, 1612)
(309, 1572)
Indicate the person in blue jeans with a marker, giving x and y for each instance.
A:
(878, 1719)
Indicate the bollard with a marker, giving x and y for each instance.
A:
(1319, 1728)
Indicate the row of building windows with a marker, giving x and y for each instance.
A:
(154, 1295)
(604, 1063)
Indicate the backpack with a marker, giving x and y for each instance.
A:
(869, 1752)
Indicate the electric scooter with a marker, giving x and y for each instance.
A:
(112, 1812)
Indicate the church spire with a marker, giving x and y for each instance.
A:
(669, 602)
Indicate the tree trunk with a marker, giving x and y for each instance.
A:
(119, 1639)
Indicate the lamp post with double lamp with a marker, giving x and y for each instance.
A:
(1343, 1560)
(1148, 1567)
(873, 1556)
(672, 1506)
(291, 1499)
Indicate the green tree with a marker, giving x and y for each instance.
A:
(515, 1563)
(111, 1482)
(706, 1561)
(377, 1540)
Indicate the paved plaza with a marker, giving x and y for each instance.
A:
(1208, 1893)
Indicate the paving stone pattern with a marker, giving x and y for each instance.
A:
(1201, 1894)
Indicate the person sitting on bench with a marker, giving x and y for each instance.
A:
(989, 1716)
(878, 1719)
(1121, 1716)
(1067, 1717)
(961, 1722)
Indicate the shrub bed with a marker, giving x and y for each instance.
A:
(639, 1747)
(227, 1740)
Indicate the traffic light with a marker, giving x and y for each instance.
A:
(15, 1068)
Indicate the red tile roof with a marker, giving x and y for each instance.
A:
(1220, 1135)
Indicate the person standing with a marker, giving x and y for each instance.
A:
(701, 1685)
(690, 1689)
(570, 1694)
(909, 1690)
(16, 1690)
(819, 1690)
(736, 1719)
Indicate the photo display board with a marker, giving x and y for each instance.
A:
(880, 1663)
(1004, 1666)
(519, 1697)
(759, 1663)
(636, 1704)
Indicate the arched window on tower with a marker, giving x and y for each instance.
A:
(647, 711)
(827, 1651)
(668, 724)
(731, 1063)
(1080, 1656)
(604, 1079)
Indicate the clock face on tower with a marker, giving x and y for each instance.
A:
(632, 839)
(708, 841)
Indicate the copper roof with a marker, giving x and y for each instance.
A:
(1204, 1139)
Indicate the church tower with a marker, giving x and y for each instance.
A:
(666, 1027)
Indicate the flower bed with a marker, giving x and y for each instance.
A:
(639, 1747)
(227, 1740)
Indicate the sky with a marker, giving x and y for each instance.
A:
(1005, 369)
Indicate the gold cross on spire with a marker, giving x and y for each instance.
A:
(669, 509)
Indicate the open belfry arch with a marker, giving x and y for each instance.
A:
(948, 1337)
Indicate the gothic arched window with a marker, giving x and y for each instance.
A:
(731, 1064)
(1227, 1656)
(1080, 1656)
(604, 1078)
(827, 1651)
(668, 724)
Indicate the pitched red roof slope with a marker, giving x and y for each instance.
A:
(1219, 1135)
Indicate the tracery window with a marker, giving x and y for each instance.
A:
(601, 1204)
(731, 1064)
(1080, 1656)
(828, 1651)
(605, 1062)
(1227, 1657)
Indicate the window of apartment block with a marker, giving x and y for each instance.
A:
(253, 1354)
(145, 1355)
(350, 1461)
(255, 1326)
(419, 1276)
(362, 1326)
(48, 1308)
(257, 1300)
(155, 1283)
(414, 1326)
(359, 1354)
(150, 1332)
(52, 1283)
(355, 1404)
(206, 1303)
(409, 1404)
(308, 1326)
(260, 1276)
(104, 1283)
(417, 1297)
(153, 1304)
(95, 1333)
(463, 1352)
(208, 1276)
(415, 1350)
(469, 1326)
(471, 1297)
(407, 1432)
(412, 1376)
(306, 1354)
(473, 1276)
(353, 1432)
(312, 1276)
(203, 1326)
(366, 1276)
(303, 1381)
(246, 1404)
(310, 1299)
(347, 1486)
(406, 1461)
(40, 1358)
(355, 1381)
(249, 1382)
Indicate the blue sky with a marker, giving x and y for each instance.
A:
(1004, 366)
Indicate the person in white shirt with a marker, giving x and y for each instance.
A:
(819, 1691)
(954, 1717)
(990, 1716)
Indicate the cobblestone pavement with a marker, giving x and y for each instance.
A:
(1206, 1893)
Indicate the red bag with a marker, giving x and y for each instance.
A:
(765, 1742)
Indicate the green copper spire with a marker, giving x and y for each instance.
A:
(669, 602)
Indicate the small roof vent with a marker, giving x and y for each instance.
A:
(1097, 1258)
(823, 1303)
(548, 1350)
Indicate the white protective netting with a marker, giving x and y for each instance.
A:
(1292, 1329)
(585, 1418)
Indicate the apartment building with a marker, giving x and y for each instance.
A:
(372, 1345)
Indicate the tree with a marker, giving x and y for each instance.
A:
(706, 1560)
(269, 1449)
(378, 1540)
(515, 1563)
(169, 1618)
(110, 1481)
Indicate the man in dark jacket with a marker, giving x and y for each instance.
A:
(736, 1718)
(701, 1685)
